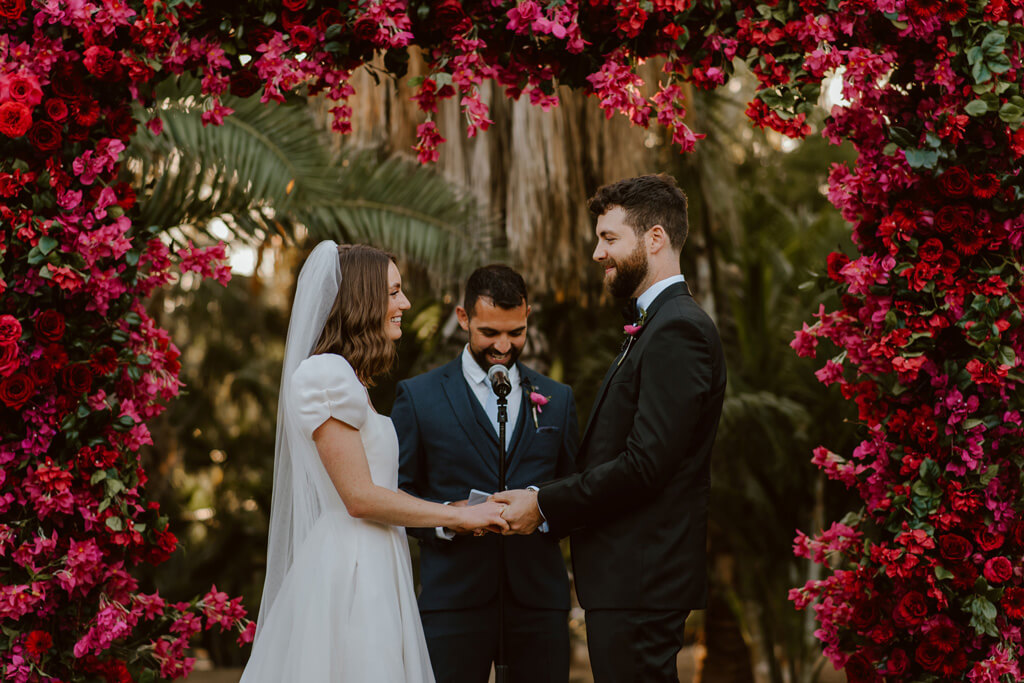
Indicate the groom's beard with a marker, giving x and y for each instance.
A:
(629, 274)
(485, 363)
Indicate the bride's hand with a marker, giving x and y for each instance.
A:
(482, 517)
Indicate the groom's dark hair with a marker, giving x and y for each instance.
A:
(499, 283)
(648, 200)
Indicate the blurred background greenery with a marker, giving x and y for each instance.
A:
(272, 182)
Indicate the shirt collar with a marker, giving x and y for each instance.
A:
(644, 301)
(476, 375)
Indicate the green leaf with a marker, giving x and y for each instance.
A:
(97, 477)
(115, 523)
(902, 137)
(994, 43)
(114, 486)
(1011, 113)
(1007, 356)
(143, 359)
(921, 158)
(46, 244)
(941, 573)
(976, 107)
(981, 73)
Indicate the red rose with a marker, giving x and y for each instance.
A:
(954, 548)
(9, 360)
(77, 133)
(911, 610)
(10, 328)
(50, 325)
(15, 118)
(986, 186)
(294, 5)
(1018, 533)
(44, 136)
(245, 83)
(12, 9)
(988, 540)
(998, 570)
(42, 372)
(931, 250)
(104, 361)
(929, 655)
(898, 663)
(24, 89)
(303, 37)
(100, 61)
(835, 262)
(38, 643)
(1013, 602)
(954, 218)
(16, 390)
(56, 109)
(330, 17)
(859, 669)
(864, 615)
(121, 124)
(950, 262)
(365, 30)
(290, 19)
(77, 378)
(451, 18)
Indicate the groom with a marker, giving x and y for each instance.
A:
(447, 428)
(637, 509)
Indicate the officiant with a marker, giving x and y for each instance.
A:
(446, 421)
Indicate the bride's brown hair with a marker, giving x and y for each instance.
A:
(357, 325)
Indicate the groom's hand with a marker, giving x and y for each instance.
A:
(522, 514)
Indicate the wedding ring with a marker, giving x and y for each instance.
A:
(502, 513)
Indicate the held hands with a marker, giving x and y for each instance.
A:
(480, 518)
(522, 514)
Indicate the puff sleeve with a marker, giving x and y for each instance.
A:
(326, 386)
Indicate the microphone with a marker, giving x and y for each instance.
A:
(498, 377)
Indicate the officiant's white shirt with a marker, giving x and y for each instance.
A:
(476, 378)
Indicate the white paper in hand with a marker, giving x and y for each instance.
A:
(476, 496)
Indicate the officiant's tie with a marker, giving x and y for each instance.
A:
(491, 408)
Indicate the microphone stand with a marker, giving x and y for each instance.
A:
(500, 667)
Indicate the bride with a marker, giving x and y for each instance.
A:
(338, 602)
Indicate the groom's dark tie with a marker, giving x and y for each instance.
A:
(629, 312)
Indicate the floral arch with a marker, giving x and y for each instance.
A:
(924, 583)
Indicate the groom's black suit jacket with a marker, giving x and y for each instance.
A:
(637, 508)
(448, 446)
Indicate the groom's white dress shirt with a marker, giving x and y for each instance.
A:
(644, 301)
(476, 378)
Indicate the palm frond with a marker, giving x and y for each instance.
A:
(270, 169)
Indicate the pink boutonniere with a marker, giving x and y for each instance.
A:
(632, 331)
(537, 401)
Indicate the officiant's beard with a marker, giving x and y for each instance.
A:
(480, 356)
(629, 274)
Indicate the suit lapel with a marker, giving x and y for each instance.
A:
(478, 431)
(676, 289)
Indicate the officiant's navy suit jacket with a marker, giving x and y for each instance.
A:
(449, 446)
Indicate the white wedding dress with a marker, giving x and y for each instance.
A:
(345, 610)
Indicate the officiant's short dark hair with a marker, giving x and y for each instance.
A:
(648, 200)
(499, 283)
